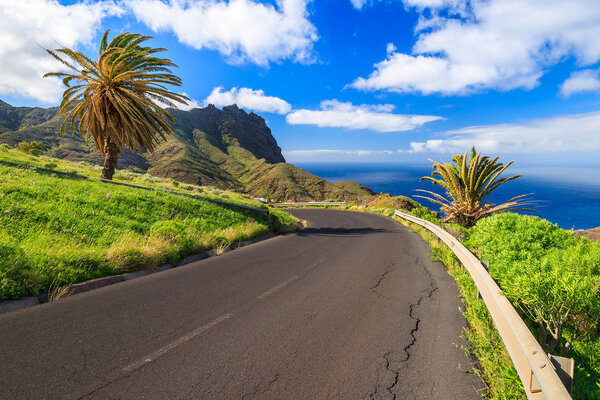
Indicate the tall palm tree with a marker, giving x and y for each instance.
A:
(468, 182)
(116, 98)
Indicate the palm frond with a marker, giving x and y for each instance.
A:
(468, 182)
(118, 97)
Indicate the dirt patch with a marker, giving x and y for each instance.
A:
(386, 200)
(592, 234)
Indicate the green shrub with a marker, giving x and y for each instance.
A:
(424, 213)
(50, 165)
(33, 148)
(553, 278)
(5, 147)
(175, 183)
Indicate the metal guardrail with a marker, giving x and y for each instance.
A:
(309, 204)
(527, 355)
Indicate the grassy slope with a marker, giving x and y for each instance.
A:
(287, 182)
(56, 230)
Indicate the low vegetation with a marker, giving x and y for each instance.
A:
(56, 230)
(34, 148)
(553, 278)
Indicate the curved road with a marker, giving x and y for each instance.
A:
(350, 308)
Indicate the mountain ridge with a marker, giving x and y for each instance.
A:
(227, 148)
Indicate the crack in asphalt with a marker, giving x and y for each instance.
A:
(389, 269)
(417, 322)
(110, 382)
(257, 388)
(393, 382)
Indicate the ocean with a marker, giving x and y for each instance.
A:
(567, 196)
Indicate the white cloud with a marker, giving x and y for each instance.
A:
(241, 30)
(561, 134)
(581, 81)
(191, 104)
(248, 98)
(27, 25)
(488, 44)
(378, 118)
(358, 4)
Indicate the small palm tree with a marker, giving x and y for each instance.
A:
(468, 182)
(116, 98)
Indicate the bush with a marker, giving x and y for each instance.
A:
(551, 276)
(50, 165)
(5, 147)
(33, 148)
(424, 213)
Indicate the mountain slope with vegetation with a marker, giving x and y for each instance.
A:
(228, 149)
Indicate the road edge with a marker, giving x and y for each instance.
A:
(86, 286)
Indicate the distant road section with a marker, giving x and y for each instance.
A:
(350, 308)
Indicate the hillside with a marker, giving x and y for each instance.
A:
(60, 229)
(228, 149)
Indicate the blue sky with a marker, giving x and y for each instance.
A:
(354, 80)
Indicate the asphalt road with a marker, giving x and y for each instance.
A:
(350, 308)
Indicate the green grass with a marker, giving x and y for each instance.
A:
(127, 176)
(56, 230)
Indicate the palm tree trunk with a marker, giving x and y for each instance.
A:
(111, 158)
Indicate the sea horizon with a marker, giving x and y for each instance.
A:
(566, 196)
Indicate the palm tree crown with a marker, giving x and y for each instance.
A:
(468, 183)
(116, 98)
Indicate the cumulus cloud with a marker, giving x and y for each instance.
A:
(248, 98)
(378, 118)
(191, 104)
(561, 134)
(465, 47)
(241, 30)
(29, 26)
(581, 81)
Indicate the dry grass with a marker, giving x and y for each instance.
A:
(56, 292)
(134, 253)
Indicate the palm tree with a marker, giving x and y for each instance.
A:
(116, 98)
(468, 182)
